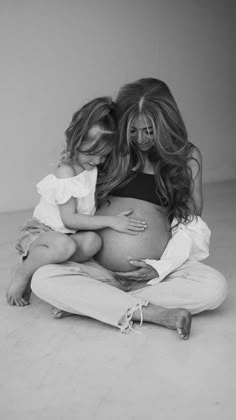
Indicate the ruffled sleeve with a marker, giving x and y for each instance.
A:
(60, 190)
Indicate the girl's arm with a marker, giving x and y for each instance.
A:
(120, 222)
(76, 221)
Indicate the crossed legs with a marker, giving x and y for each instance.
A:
(72, 288)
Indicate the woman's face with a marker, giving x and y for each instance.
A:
(141, 132)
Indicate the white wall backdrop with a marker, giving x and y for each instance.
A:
(56, 54)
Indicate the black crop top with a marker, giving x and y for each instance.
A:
(141, 186)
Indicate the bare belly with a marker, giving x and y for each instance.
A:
(148, 244)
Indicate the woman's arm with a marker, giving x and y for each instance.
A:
(189, 241)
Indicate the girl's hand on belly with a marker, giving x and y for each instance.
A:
(122, 222)
(143, 273)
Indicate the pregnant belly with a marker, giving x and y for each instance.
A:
(148, 244)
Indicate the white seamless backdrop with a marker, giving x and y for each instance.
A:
(56, 54)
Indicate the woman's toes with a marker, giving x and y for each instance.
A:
(58, 313)
(183, 325)
(181, 333)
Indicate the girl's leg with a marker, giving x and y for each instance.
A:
(49, 247)
(87, 245)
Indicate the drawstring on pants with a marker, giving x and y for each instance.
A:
(126, 321)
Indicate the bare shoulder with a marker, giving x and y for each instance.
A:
(65, 170)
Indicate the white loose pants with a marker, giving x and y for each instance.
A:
(88, 289)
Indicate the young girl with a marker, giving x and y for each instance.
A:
(63, 222)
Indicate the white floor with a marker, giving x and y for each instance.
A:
(78, 368)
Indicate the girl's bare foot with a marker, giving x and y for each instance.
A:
(58, 313)
(28, 292)
(18, 290)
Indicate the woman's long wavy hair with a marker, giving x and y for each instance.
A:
(99, 113)
(152, 99)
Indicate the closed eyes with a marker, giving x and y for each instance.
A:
(147, 131)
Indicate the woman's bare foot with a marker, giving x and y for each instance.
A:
(176, 319)
(18, 292)
(58, 313)
(179, 320)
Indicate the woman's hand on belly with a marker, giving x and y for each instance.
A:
(142, 273)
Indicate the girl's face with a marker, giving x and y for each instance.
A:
(85, 159)
(141, 132)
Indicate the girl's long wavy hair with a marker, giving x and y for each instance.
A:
(152, 99)
(100, 112)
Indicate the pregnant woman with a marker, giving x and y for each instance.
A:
(156, 275)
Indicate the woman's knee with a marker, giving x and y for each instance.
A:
(222, 288)
(219, 289)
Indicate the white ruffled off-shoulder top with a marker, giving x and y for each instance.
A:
(55, 191)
